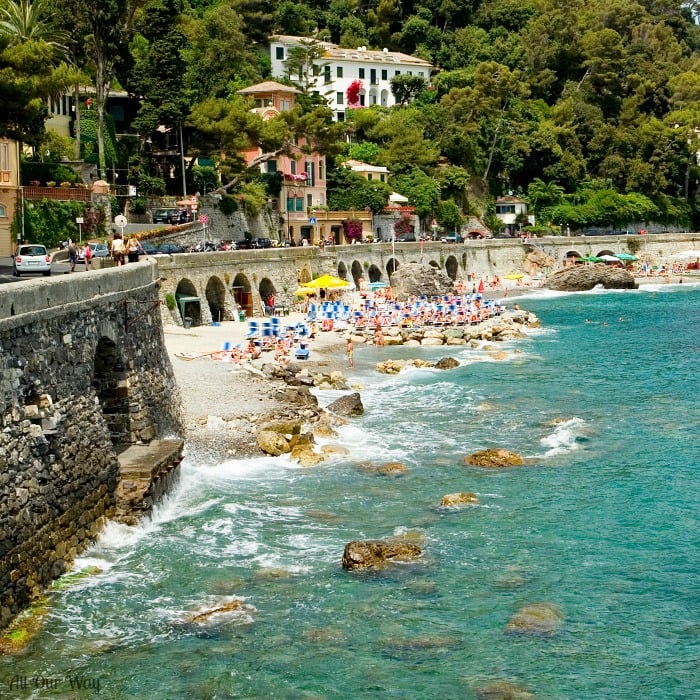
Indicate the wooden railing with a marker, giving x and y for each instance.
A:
(65, 194)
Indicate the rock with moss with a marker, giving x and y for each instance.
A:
(494, 458)
(374, 554)
(456, 500)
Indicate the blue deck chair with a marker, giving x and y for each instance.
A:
(253, 330)
(302, 352)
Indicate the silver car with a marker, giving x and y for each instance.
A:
(32, 258)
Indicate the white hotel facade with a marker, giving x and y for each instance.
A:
(338, 68)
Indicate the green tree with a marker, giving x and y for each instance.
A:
(347, 191)
(406, 88)
(423, 191)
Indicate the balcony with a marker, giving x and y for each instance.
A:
(60, 194)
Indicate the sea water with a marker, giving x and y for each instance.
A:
(602, 523)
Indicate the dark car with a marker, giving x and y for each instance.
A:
(150, 249)
(263, 243)
(166, 216)
(170, 248)
(406, 238)
(244, 245)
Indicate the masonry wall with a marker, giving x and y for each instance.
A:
(83, 374)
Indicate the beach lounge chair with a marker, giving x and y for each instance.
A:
(302, 352)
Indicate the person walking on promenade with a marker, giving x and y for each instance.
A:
(72, 254)
(87, 255)
(133, 249)
(350, 351)
(117, 249)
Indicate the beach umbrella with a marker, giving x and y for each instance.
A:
(610, 258)
(481, 287)
(327, 282)
(514, 276)
(303, 291)
(626, 257)
(377, 285)
(590, 258)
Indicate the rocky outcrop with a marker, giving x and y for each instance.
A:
(348, 405)
(272, 443)
(455, 500)
(494, 458)
(446, 363)
(537, 619)
(372, 554)
(414, 278)
(582, 277)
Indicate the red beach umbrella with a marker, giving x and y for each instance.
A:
(481, 287)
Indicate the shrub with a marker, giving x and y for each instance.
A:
(228, 205)
(352, 229)
(170, 301)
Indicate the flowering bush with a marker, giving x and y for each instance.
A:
(352, 94)
(402, 224)
(352, 229)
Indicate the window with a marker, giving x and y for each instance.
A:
(362, 100)
(285, 105)
(290, 203)
(315, 69)
(397, 72)
(5, 157)
(362, 72)
(327, 74)
(369, 176)
(339, 72)
(339, 98)
(259, 103)
(310, 173)
(299, 204)
(382, 177)
(3, 212)
(279, 53)
(421, 73)
(409, 72)
(320, 168)
(385, 74)
(271, 167)
(340, 116)
(373, 76)
(309, 201)
(293, 167)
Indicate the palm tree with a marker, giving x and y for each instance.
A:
(23, 20)
(542, 195)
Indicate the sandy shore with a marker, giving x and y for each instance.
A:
(223, 402)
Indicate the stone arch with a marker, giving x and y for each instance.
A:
(434, 263)
(357, 272)
(604, 252)
(304, 275)
(188, 302)
(384, 98)
(374, 273)
(451, 267)
(215, 293)
(265, 289)
(572, 254)
(391, 266)
(243, 293)
(342, 271)
(112, 388)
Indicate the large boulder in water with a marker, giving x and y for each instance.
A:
(494, 458)
(414, 278)
(372, 554)
(583, 277)
(348, 405)
(536, 618)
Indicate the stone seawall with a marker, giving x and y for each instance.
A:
(84, 374)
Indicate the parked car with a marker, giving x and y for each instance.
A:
(454, 237)
(32, 258)
(263, 243)
(99, 250)
(244, 245)
(406, 238)
(150, 249)
(170, 248)
(166, 216)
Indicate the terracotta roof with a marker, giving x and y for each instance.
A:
(268, 86)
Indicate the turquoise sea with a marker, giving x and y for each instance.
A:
(602, 523)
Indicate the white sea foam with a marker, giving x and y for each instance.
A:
(564, 438)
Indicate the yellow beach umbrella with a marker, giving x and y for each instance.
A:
(303, 291)
(327, 282)
(514, 276)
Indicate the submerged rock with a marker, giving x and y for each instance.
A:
(452, 500)
(494, 458)
(537, 619)
(502, 690)
(372, 554)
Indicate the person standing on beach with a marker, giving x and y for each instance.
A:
(350, 351)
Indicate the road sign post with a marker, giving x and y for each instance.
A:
(79, 220)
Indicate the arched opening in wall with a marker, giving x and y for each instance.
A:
(357, 272)
(374, 273)
(242, 293)
(571, 257)
(392, 266)
(451, 267)
(433, 263)
(266, 290)
(216, 299)
(188, 302)
(112, 390)
(604, 252)
(304, 275)
(342, 271)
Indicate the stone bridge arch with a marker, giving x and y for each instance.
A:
(217, 301)
(374, 273)
(605, 251)
(357, 272)
(243, 293)
(188, 301)
(391, 266)
(342, 270)
(451, 267)
(265, 289)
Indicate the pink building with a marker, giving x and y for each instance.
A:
(303, 175)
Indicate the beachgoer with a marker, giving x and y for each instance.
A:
(88, 256)
(133, 249)
(350, 351)
(117, 249)
(378, 335)
(72, 254)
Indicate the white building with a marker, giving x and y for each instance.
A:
(378, 173)
(333, 73)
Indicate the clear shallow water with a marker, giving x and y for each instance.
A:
(603, 524)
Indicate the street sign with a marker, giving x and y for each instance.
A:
(79, 220)
(203, 219)
(312, 220)
(120, 220)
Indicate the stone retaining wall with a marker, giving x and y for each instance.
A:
(83, 374)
